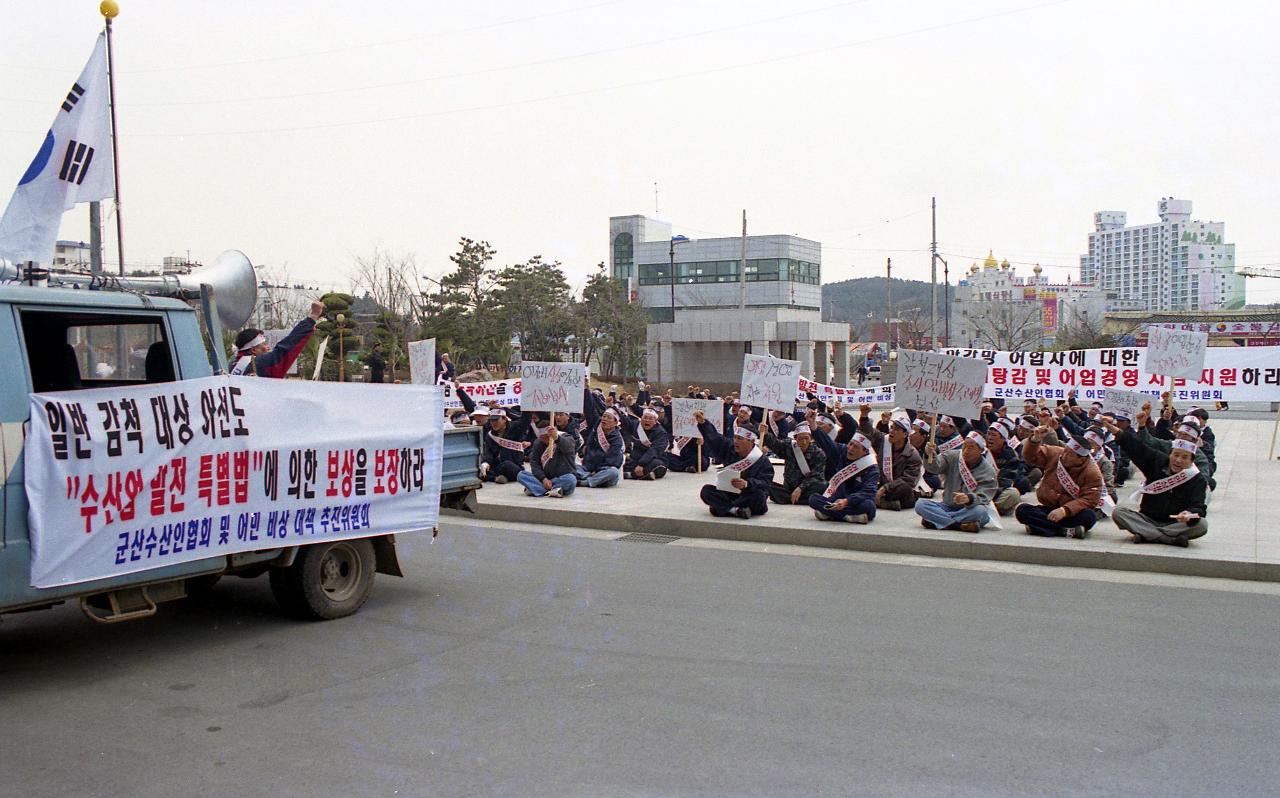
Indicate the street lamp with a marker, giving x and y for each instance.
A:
(672, 254)
(342, 371)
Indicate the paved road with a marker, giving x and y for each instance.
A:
(529, 664)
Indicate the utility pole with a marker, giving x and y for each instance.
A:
(946, 298)
(888, 301)
(742, 267)
(933, 277)
(655, 198)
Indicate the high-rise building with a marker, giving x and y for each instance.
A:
(1174, 264)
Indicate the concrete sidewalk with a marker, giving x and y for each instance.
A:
(1242, 543)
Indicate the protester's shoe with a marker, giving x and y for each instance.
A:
(649, 476)
(860, 518)
(1181, 542)
(969, 526)
(659, 472)
(889, 504)
(1030, 531)
(691, 470)
(555, 493)
(1077, 532)
(528, 492)
(741, 512)
(818, 515)
(927, 524)
(500, 480)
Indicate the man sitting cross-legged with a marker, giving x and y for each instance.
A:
(747, 471)
(803, 465)
(552, 465)
(851, 496)
(1069, 492)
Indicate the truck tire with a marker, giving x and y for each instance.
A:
(327, 580)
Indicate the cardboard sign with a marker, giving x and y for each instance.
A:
(1127, 401)
(552, 386)
(682, 423)
(939, 383)
(422, 362)
(770, 382)
(1175, 353)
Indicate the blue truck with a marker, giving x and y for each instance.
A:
(69, 338)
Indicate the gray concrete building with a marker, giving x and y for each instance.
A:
(714, 311)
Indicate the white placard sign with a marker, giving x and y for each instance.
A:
(552, 386)
(1129, 402)
(682, 423)
(1175, 353)
(122, 480)
(422, 362)
(939, 383)
(320, 350)
(770, 382)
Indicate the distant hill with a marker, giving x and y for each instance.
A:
(851, 300)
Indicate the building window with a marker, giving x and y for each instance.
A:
(623, 256)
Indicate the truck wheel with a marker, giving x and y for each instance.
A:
(327, 580)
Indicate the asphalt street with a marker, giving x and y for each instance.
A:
(529, 664)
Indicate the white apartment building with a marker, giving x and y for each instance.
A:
(995, 308)
(1174, 264)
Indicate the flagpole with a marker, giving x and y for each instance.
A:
(109, 10)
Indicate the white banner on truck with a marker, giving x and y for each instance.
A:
(1231, 373)
(122, 480)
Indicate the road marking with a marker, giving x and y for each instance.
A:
(912, 560)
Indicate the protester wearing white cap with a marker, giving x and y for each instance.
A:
(1143, 430)
(742, 487)
(969, 483)
(1011, 470)
(504, 445)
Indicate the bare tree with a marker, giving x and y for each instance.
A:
(281, 302)
(391, 281)
(1081, 332)
(1009, 326)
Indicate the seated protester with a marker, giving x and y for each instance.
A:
(552, 465)
(851, 495)
(1096, 440)
(747, 471)
(899, 462)
(825, 436)
(804, 465)
(502, 456)
(1070, 493)
(1172, 508)
(948, 437)
(566, 425)
(969, 482)
(255, 357)
(1049, 418)
(647, 447)
(1011, 470)
(604, 449)
(986, 417)
(1185, 432)
(683, 456)
(779, 423)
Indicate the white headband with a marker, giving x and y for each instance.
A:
(257, 340)
(1186, 446)
(921, 425)
(1078, 447)
(977, 439)
(1000, 430)
(743, 432)
(862, 440)
(803, 426)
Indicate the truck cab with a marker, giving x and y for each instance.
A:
(64, 339)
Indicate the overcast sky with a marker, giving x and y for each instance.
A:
(310, 133)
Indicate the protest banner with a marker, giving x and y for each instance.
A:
(1230, 374)
(422, 362)
(770, 382)
(939, 383)
(830, 394)
(1130, 402)
(506, 393)
(128, 479)
(1175, 353)
(552, 386)
(682, 423)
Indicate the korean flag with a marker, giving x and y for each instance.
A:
(73, 165)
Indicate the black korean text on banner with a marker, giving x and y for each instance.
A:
(121, 480)
(552, 386)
